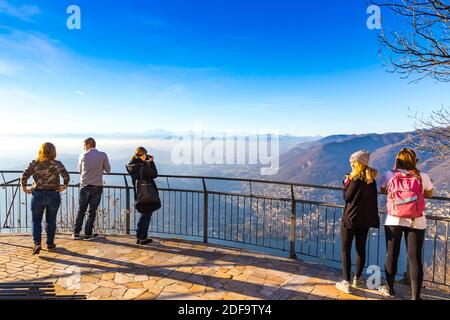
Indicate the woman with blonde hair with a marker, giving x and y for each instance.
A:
(360, 214)
(46, 188)
(406, 189)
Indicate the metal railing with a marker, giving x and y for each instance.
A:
(275, 217)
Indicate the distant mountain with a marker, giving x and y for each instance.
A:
(439, 170)
(327, 160)
(160, 144)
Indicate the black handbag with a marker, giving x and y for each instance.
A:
(147, 199)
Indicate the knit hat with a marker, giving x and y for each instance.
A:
(362, 156)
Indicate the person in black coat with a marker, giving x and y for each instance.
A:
(141, 160)
(360, 214)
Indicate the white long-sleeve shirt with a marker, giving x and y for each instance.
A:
(92, 165)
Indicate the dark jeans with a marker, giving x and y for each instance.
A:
(90, 196)
(414, 245)
(347, 236)
(143, 225)
(48, 201)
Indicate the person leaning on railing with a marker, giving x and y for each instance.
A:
(406, 189)
(360, 214)
(142, 166)
(46, 188)
(92, 164)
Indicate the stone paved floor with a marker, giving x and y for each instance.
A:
(114, 267)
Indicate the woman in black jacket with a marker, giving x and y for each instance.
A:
(360, 214)
(139, 161)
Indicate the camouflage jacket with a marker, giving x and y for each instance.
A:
(46, 175)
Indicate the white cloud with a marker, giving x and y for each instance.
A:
(81, 93)
(46, 70)
(37, 46)
(22, 12)
(18, 93)
(31, 52)
(7, 68)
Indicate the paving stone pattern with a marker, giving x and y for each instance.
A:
(114, 267)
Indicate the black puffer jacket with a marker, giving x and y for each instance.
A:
(361, 205)
(149, 172)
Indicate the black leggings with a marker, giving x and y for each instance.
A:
(414, 244)
(347, 236)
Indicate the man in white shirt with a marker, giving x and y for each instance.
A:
(92, 165)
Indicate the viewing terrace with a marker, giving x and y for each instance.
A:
(215, 238)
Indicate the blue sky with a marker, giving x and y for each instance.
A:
(295, 67)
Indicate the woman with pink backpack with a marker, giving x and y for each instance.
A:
(406, 189)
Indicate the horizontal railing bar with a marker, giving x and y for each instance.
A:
(287, 184)
(251, 244)
(253, 181)
(227, 194)
(8, 183)
(430, 217)
(318, 203)
(75, 186)
(321, 204)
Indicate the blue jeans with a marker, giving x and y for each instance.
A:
(90, 197)
(48, 201)
(143, 225)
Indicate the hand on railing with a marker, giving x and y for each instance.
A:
(62, 188)
(27, 190)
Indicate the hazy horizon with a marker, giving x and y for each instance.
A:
(115, 143)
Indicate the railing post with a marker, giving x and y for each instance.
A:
(205, 212)
(128, 207)
(292, 254)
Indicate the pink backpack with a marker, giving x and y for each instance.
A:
(405, 195)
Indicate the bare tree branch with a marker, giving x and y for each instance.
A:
(432, 132)
(422, 47)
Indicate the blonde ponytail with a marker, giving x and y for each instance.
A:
(363, 172)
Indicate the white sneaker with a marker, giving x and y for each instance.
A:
(76, 236)
(343, 286)
(384, 290)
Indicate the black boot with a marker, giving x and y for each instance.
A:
(37, 248)
(144, 241)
